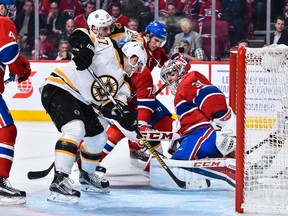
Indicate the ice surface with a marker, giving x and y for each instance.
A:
(130, 192)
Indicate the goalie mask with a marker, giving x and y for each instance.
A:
(135, 48)
(172, 72)
(10, 7)
(101, 20)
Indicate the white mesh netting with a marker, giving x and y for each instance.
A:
(266, 124)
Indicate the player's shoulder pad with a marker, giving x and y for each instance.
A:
(118, 29)
(79, 36)
(119, 51)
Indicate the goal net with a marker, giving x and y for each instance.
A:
(259, 96)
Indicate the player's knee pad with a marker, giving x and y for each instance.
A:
(94, 144)
(74, 130)
(91, 151)
(65, 153)
(8, 134)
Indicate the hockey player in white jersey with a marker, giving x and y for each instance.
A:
(68, 96)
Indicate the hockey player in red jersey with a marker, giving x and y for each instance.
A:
(19, 68)
(154, 38)
(151, 113)
(208, 125)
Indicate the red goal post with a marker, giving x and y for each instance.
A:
(258, 95)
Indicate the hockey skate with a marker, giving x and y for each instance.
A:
(61, 189)
(94, 182)
(139, 158)
(10, 195)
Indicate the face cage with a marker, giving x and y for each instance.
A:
(173, 85)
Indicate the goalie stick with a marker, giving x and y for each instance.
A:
(182, 184)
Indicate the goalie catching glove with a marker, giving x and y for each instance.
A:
(226, 137)
(127, 118)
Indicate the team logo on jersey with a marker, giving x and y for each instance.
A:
(110, 83)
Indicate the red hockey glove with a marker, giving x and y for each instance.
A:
(146, 128)
(20, 67)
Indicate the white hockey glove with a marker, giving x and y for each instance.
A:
(226, 137)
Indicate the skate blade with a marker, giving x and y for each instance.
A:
(60, 198)
(12, 200)
(91, 189)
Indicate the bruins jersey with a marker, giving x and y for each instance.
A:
(106, 65)
(123, 34)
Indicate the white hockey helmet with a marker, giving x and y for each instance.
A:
(135, 48)
(99, 18)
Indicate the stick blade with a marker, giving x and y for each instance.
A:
(198, 184)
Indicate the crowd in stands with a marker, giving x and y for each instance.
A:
(188, 23)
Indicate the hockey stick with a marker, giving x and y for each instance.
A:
(160, 89)
(40, 174)
(180, 183)
(271, 139)
(10, 79)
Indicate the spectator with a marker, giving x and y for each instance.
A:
(44, 7)
(191, 10)
(56, 20)
(45, 46)
(205, 12)
(285, 13)
(147, 16)
(63, 51)
(116, 13)
(69, 28)
(190, 54)
(188, 34)
(280, 36)
(133, 8)
(25, 20)
(233, 11)
(133, 24)
(173, 26)
(24, 46)
(81, 19)
(243, 42)
(72, 7)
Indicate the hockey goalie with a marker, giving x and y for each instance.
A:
(208, 126)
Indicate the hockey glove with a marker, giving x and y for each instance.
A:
(20, 67)
(83, 56)
(128, 120)
(147, 128)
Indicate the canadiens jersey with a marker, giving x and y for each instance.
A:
(155, 58)
(8, 45)
(123, 34)
(142, 96)
(106, 65)
(196, 101)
